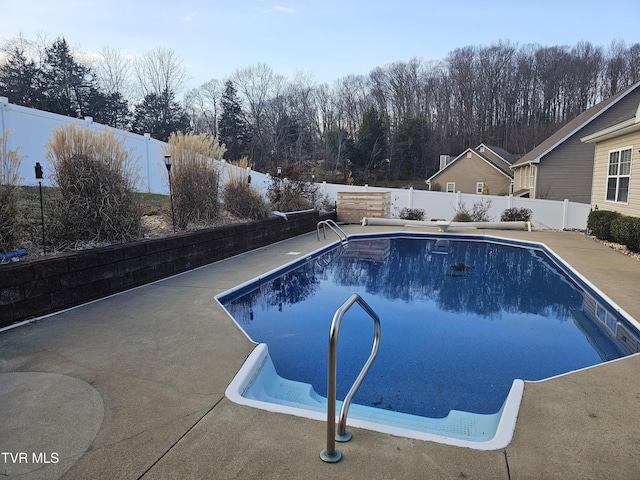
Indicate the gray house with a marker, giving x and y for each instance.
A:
(561, 167)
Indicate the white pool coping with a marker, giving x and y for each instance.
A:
(504, 432)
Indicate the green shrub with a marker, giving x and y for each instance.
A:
(626, 231)
(516, 215)
(412, 214)
(599, 223)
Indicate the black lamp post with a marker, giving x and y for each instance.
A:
(39, 178)
(167, 163)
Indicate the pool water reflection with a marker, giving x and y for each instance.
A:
(460, 322)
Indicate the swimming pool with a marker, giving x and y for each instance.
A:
(462, 317)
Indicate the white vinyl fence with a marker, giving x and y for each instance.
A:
(547, 214)
(31, 129)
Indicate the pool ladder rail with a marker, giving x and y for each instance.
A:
(344, 239)
(331, 454)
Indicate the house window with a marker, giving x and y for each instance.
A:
(520, 184)
(531, 176)
(451, 187)
(618, 175)
(479, 187)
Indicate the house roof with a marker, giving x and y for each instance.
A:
(631, 125)
(573, 126)
(501, 152)
(501, 168)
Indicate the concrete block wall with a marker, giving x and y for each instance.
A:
(30, 289)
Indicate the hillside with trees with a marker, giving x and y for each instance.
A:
(387, 127)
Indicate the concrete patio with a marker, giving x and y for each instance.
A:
(132, 386)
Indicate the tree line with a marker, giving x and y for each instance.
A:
(388, 126)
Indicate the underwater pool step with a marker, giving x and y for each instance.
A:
(268, 386)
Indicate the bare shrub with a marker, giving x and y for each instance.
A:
(239, 198)
(96, 177)
(479, 212)
(462, 216)
(287, 193)
(516, 215)
(195, 178)
(10, 161)
(96, 205)
(412, 214)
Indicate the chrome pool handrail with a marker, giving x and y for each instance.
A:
(344, 239)
(330, 454)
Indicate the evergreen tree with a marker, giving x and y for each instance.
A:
(233, 128)
(112, 110)
(160, 115)
(65, 84)
(411, 142)
(371, 143)
(18, 79)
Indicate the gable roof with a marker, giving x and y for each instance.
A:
(573, 126)
(500, 152)
(625, 127)
(501, 168)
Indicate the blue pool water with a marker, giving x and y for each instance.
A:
(459, 321)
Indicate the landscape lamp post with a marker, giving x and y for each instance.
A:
(39, 178)
(167, 163)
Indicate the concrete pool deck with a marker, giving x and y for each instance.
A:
(132, 386)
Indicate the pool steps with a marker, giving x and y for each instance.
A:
(259, 385)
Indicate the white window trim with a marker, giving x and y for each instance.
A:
(618, 176)
(532, 176)
(479, 187)
(520, 184)
(453, 187)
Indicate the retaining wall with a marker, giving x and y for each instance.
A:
(33, 288)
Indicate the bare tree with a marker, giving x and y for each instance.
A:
(354, 100)
(256, 85)
(160, 71)
(463, 70)
(114, 71)
(203, 105)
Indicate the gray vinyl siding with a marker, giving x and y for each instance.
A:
(467, 172)
(567, 171)
(599, 195)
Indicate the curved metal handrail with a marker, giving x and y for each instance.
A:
(344, 239)
(330, 454)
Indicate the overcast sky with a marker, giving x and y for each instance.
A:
(327, 38)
